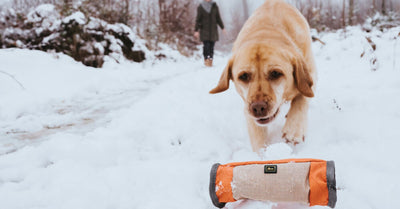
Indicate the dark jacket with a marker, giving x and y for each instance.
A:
(207, 23)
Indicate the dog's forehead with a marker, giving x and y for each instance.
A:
(255, 52)
(255, 60)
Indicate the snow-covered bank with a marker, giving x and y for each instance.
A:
(142, 136)
(59, 93)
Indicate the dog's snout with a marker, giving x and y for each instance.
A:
(259, 109)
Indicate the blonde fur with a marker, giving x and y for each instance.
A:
(272, 63)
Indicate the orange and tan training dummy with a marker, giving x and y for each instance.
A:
(306, 181)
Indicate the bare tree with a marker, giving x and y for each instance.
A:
(175, 21)
(66, 7)
(344, 14)
(245, 9)
(383, 11)
(373, 6)
(171, 21)
(26, 5)
(351, 12)
(108, 10)
(126, 17)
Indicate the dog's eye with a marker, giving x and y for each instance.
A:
(245, 77)
(274, 75)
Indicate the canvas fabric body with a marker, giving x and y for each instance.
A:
(250, 182)
(322, 191)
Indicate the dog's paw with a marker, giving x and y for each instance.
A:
(293, 134)
(293, 140)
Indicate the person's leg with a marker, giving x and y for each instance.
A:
(206, 49)
(212, 44)
(210, 55)
(207, 53)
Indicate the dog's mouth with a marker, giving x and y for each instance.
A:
(266, 120)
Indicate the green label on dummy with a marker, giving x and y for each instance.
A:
(270, 169)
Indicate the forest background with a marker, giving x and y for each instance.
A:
(171, 22)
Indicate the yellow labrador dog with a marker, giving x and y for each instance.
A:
(272, 63)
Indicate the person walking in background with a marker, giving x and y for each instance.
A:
(207, 21)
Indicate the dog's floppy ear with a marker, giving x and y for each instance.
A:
(302, 77)
(223, 83)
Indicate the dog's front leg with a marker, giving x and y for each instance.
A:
(258, 135)
(295, 127)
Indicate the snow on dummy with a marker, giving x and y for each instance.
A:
(307, 181)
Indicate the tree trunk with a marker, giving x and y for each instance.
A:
(391, 8)
(161, 6)
(373, 7)
(351, 12)
(344, 15)
(126, 12)
(384, 7)
(66, 8)
(245, 9)
(161, 15)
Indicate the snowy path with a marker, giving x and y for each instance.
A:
(145, 137)
(78, 115)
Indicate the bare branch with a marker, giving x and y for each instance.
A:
(12, 77)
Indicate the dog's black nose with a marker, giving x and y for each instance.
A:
(259, 109)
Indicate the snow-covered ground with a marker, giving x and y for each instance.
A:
(145, 136)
